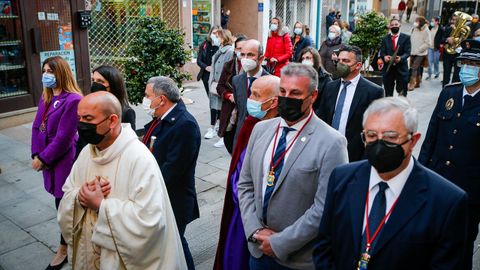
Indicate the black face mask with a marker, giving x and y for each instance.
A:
(97, 87)
(290, 109)
(395, 30)
(385, 158)
(88, 132)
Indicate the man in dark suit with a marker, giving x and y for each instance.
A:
(450, 60)
(173, 137)
(452, 147)
(395, 69)
(344, 100)
(390, 212)
(251, 60)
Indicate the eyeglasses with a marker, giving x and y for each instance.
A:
(391, 138)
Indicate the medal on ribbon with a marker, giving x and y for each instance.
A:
(271, 178)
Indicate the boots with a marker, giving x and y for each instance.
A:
(418, 81)
(412, 83)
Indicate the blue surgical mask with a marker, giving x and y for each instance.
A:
(254, 108)
(48, 80)
(215, 40)
(477, 38)
(469, 75)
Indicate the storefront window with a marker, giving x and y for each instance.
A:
(201, 21)
(13, 80)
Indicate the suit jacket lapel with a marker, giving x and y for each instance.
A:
(264, 142)
(296, 150)
(357, 194)
(410, 201)
(356, 98)
(242, 92)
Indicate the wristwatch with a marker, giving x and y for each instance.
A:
(253, 239)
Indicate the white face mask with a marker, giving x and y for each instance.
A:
(215, 40)
(298, 31)
(248, 64)
(307, 62)
(415, 24)
(274, 27)
(332, 36)
(146, 103)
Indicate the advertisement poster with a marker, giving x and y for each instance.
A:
(68, 55)
(202, 19)
(65, 37)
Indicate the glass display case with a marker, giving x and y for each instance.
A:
(13, 77)
(201, 22)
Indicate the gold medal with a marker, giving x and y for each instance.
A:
(271, 178)
(449, 104)
(363, 262)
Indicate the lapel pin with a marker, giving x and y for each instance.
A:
(303, 139)
(173, 118)
(449, 104)
(56, 103)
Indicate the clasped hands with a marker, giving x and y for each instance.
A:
(263, 238)
(388, 58)
(93, 192)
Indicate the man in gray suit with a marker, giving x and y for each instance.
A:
(251, 59)
(285, 174)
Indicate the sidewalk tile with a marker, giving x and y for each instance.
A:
(47, 232)
(29, 212)
(12, 237)
(33, 256)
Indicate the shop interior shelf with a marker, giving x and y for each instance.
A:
(8, 16)
(12, 94)
(10, 43)
(10, 67)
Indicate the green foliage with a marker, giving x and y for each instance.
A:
(370, 29)
(154, 50)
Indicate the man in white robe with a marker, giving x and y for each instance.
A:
(116, 213)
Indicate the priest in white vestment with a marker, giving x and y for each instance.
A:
(116, 213)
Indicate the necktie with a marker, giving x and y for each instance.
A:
(394, 38)
(282, 144)
(250, 82)
(376, 213)
(338, 109)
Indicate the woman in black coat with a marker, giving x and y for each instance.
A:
(310, 56)
(204, 59)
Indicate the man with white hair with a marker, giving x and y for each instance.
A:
(390, 212)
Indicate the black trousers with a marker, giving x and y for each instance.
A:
(186, 249)
(205, 78)
(449, 61)
(228, 137)
(395, 79)
(473, 222)
(57, 203)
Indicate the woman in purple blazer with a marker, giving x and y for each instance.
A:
(54, 134)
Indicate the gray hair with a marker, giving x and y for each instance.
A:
(301, 70)
(337, 29)
(388, 104)
(165, 86)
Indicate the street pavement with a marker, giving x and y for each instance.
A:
(29, 233)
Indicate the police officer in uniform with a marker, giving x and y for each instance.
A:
(452, 144)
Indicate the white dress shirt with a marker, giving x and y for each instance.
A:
(466, 93)
(257, 75)
(167, 112)
(348, 103)
(268, 154)
(395, 187)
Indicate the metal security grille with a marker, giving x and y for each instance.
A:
(291, 11)
(114, 22)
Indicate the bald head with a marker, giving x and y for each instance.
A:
(252, 46)
(266, 87)
(101, 102)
